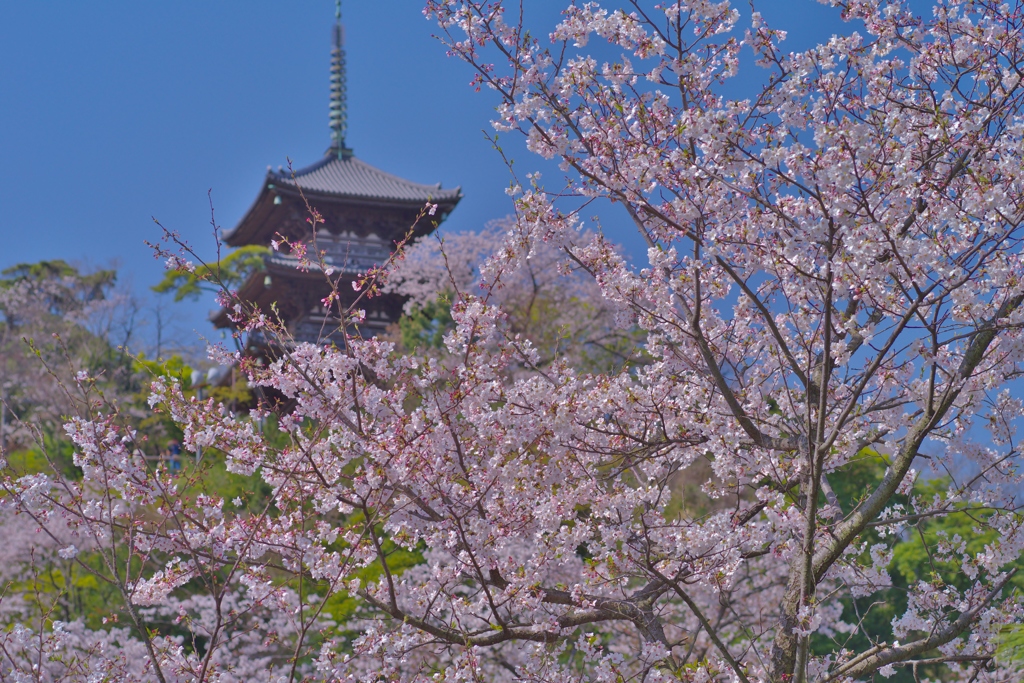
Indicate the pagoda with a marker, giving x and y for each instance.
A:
(365, 212)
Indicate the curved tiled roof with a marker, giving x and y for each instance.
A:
(351, 177)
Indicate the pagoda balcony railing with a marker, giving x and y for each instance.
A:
(344, 255)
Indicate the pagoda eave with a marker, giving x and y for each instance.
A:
(445, 198)
(278, 195)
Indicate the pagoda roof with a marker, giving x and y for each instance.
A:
(349, 176)
(337, 179)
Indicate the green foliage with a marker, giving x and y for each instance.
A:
(69, 590)
(49, 330)
(234, 394)
(215, 480)
(49, 292)
(174, 367)
(853, 482)
(688, 497)
(425, 326)
(24, 461)
(43, 270)
(230, 272)
(913, 559)
(1010, 645)
(341, 605)
(55, 454)
(556, 328)
(78, 287)
(159, 428)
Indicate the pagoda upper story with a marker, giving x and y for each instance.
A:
(365, 211)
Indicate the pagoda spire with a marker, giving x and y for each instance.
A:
(339, 96)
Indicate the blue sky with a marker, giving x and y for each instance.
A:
(113, 113)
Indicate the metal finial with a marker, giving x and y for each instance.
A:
(339, 96)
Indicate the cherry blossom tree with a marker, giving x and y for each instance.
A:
(550, 300)
(832, 309)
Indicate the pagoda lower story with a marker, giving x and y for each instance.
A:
(296, 292)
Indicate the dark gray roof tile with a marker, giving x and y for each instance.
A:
(351, 177)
